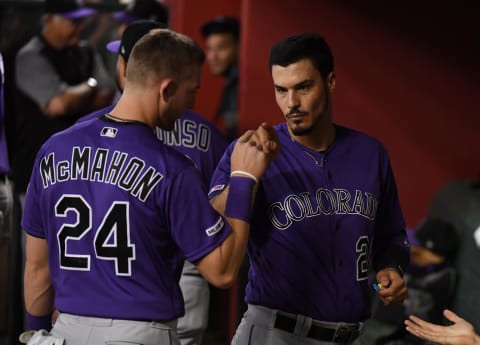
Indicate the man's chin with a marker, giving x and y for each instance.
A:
(301, 131)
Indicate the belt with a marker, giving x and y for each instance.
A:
(342, 334)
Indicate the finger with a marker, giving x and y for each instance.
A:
(450, 315)
(267, 141)
(425, 325)
(246, 136)
(256, 141)
(272, 133)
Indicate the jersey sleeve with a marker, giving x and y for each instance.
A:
(32, 221)
(391, 247)
(221, 176)
(195, 226)
(36, 77)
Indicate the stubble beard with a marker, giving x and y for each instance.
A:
(299, 132)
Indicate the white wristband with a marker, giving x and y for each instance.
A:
(244, 173)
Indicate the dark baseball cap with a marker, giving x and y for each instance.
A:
(142, 9)
(221, 25)
(70, 9)
(131, 35)
(439, 236)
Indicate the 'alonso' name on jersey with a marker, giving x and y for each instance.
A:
(186, 133)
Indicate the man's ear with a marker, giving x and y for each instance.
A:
(121, 72)
(168, 87)
(122, 66)
(331, 81)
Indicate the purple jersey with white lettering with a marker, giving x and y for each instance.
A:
(192, 135)
(318, 220)
(198, 139)
(112, 200)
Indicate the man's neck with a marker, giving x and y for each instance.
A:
(319, 139)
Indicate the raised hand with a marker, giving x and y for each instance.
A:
(254, 150)
(460, 333)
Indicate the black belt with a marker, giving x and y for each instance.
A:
(342, 334)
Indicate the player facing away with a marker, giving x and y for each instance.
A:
(111, 212)
(204, 144)
(325, 209)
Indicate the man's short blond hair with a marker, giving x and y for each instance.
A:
(163, 53)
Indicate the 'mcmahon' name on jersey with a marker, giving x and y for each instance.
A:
(128, 173)
(297, 207)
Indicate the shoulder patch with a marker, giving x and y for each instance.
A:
(215, 228)
(216, 188)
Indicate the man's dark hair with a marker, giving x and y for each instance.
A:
(221, 25)
(303, 46)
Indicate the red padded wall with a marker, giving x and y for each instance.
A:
(406, 73)
(187, 16)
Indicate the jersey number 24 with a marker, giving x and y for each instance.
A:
(112, 238)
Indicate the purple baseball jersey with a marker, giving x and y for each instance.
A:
(193, 135)
(318, 221)
(112, 200)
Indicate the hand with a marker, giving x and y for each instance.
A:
(254, 150)
(460, 333)
(394, 289)
(265, 138)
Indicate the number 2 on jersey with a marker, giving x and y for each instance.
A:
(114, 226)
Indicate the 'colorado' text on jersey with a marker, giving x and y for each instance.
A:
(318, 221)
(296, 207)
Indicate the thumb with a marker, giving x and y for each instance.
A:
(384, 280)
(450, 315)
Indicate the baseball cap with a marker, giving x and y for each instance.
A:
(439, 236)
(221, 25)
(142, 9)
(131, 35)
(70, 9)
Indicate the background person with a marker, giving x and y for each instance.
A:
(222, 39)
(461, 332)
(58, 80)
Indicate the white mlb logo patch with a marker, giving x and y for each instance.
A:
(109, 132)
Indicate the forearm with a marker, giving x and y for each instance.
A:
(76, 99)
(38, 290)
(228, 256)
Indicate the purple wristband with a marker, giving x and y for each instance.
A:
(239, 198)
(39, 322)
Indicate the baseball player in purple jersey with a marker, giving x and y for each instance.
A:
(326, 208)
(111, 212)
(204, 144)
